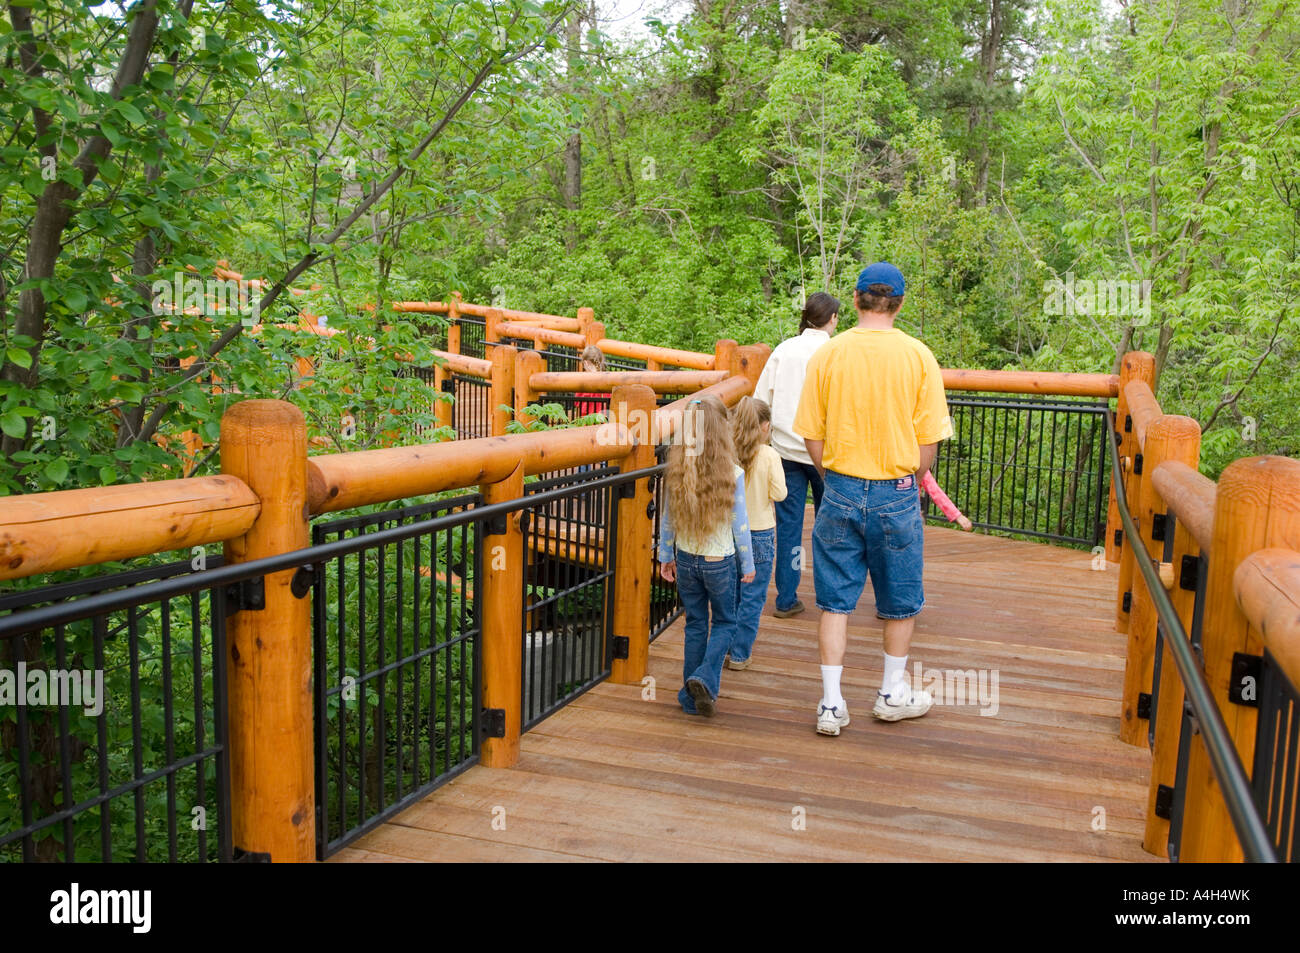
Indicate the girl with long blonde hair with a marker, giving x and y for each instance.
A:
(704, 545)
(751, 423)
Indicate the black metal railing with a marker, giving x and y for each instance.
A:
(473, 333)
(1028, 466)
(1201, 714)
(1277, 753)
(570, 546)
(395, 664)
(122, 755)
(471, 414)
(665, 606)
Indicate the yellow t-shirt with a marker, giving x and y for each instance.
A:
(764, 483)
(874, 396)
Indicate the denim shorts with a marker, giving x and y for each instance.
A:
(869, 527)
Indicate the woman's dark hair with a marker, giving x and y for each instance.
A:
(818, 311)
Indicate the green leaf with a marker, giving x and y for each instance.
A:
(13, 425)
(57, 470)
(20, 357)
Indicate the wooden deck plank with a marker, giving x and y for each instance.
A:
(613, 777)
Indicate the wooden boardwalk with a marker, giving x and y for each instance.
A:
(614, 777)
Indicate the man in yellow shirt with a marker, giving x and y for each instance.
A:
(872, 413)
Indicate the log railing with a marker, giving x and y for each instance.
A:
(1221, 614)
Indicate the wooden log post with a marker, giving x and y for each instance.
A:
(1257, 507)
(502, 605)
(588, 327)
(1169, 437)
(492, 319)
(501, 389)
(652, 365)
(453, 325)
(272, 794)
(527, 363)
(722, 352)
(1169, 709)
(1130, 449)
(748, 362)
(633, 406)
(1136, 365)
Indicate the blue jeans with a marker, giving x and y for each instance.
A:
(753, 595)
(869, 527)
(789, 528)
(706, 588)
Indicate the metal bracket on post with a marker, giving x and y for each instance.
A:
(627, 490)
(1128, 601)
(1137, 464)
(619, 645)
(1188, 572)
(1144, 705)
(1164, 801)
(304, 577)
(248, 594)
(1119, 537)
(1159, 522)
(493, 722)
(1128, 423)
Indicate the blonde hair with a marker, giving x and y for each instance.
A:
(700, 478)
(593, 355)
(747, 419)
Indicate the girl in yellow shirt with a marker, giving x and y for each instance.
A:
(751, 428)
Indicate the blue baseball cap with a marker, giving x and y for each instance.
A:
(882, 273)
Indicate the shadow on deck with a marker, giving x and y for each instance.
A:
(618, 778)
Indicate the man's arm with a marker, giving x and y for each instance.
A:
(815, 448)
(928, 453)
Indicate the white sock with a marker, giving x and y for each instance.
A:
(895, 672)
(831, 697)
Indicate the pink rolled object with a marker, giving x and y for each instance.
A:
(946, 506)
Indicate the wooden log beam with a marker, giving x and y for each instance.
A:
(1189, 496)
(528, 332)
(661, 382)
(1143, 408)
(664, 355)
(64, 529)
(669, 417)
(1267, 586)
(469, 366)
(1032, 382)
(559, 321)
(341, 481)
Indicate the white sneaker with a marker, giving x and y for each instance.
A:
(831, 720)
(902, 703)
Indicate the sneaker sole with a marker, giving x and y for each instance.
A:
(786, 613)
(739, 666)
(901, 715)
(831, 729)
(703, 703)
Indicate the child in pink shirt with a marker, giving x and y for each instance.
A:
(949, 509)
